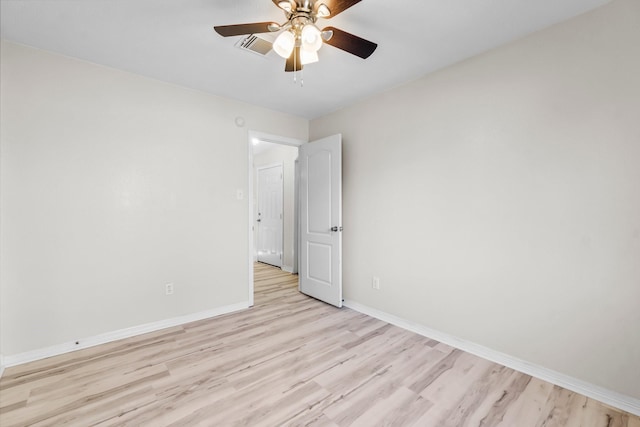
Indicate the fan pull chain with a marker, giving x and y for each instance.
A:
(301, 71)
(295, 67)
(295, 80)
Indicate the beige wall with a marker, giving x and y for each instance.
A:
(286, 155)
(498, 200)
(112, 186)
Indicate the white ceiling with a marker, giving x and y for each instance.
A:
(174, 41)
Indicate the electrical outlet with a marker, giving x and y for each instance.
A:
(168, 289)
(375, 283)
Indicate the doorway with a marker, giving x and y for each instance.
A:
(266, 150)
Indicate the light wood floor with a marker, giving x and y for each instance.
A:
(290, 360)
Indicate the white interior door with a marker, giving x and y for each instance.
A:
(269, 216)
(320, 268)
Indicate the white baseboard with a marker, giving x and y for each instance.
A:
(1, 365)
(30, 356)
(287, 268)
(611, 398)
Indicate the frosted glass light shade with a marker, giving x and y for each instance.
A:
(308, 56)
(284, 44)
(311, 38)
(285, 5)
(323, 11)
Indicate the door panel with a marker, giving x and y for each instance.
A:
(319, 179)
(269, 218)
(320, 268)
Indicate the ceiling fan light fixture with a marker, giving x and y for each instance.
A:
(323, 11)
(284, 44)
(308, 56)
(298, 39)
(285, 5)
(311, 38)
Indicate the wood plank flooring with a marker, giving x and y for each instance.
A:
(288, 361)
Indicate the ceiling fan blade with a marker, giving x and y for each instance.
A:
(293, 62)
(350, 43)
(336, 6)
(242, 29)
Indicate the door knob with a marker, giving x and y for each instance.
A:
(334, 229)
(258, 220)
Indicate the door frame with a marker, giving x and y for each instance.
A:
(274, 139)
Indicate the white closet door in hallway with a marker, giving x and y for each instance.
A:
(269, 219)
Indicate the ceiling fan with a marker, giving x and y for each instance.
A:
(299, 39)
